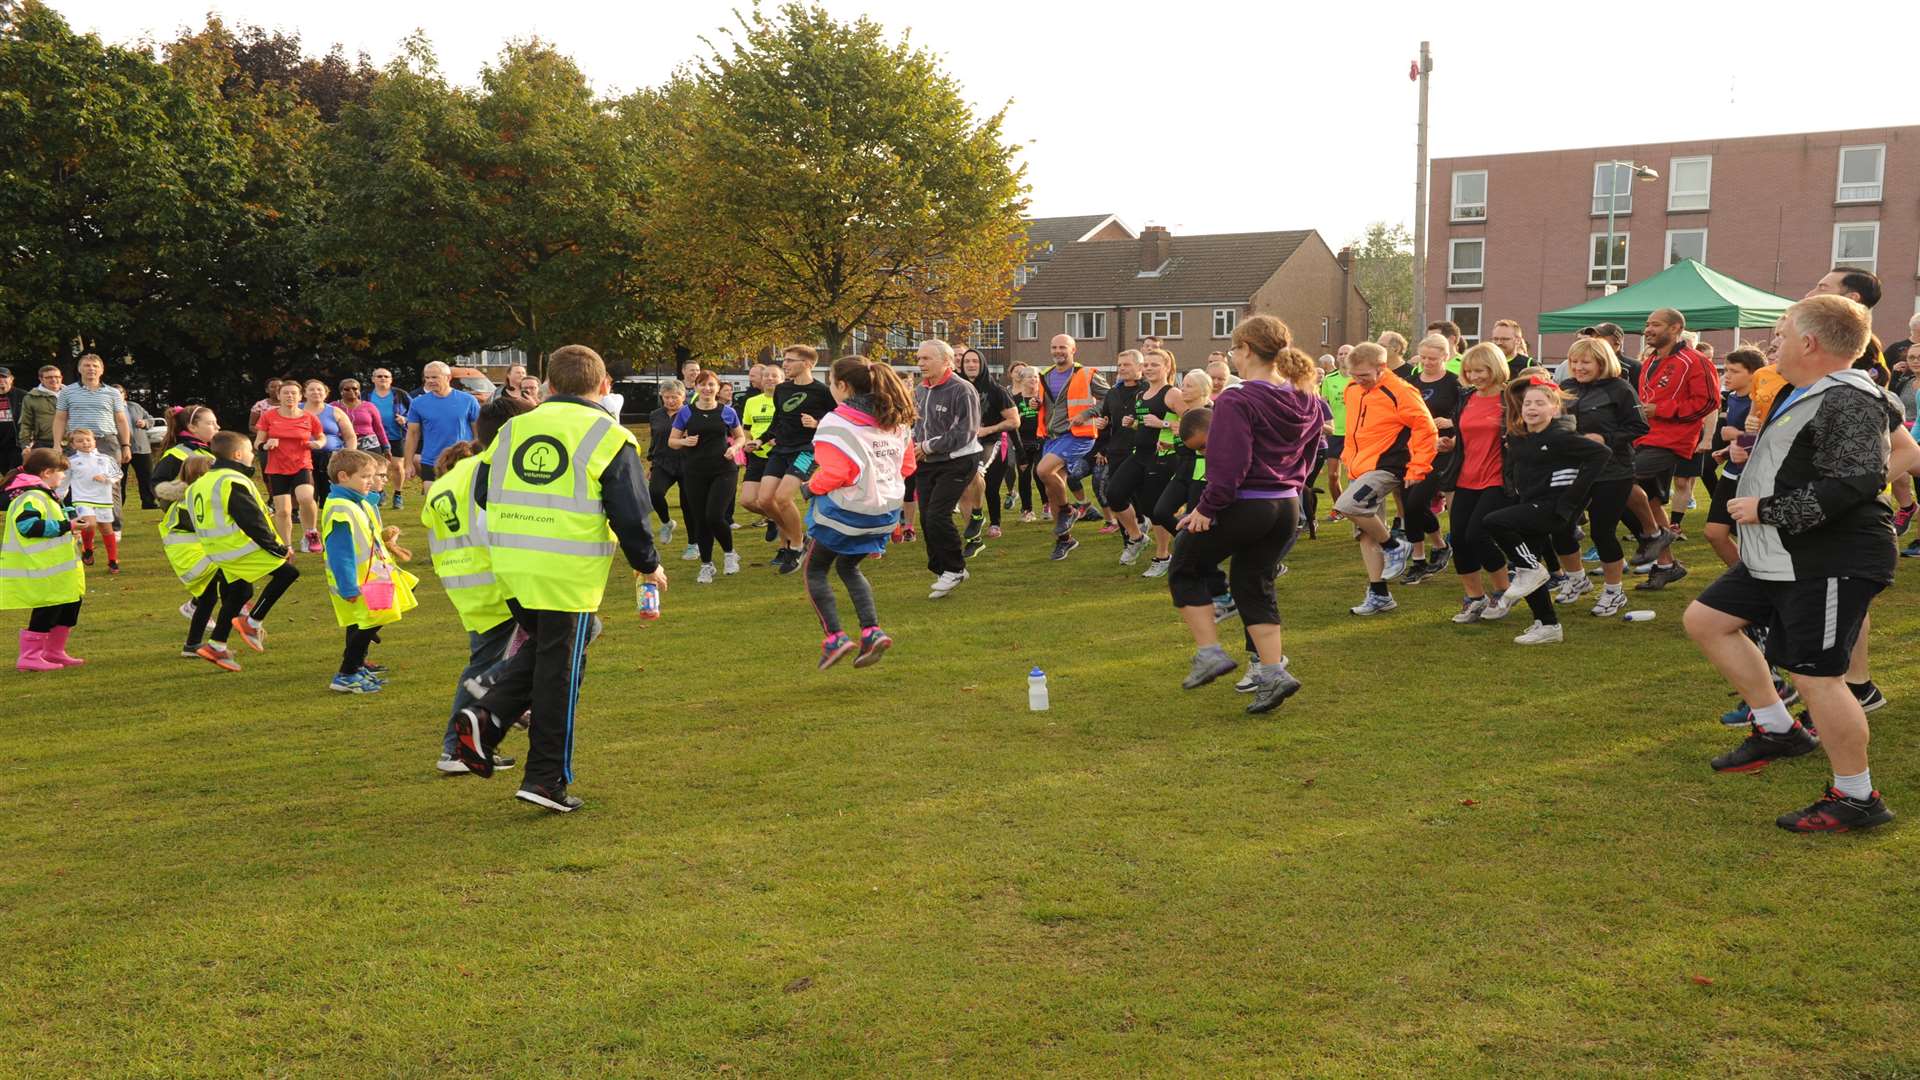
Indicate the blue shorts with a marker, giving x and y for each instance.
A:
(1073, 450)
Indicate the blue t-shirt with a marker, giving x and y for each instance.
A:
(443, 421)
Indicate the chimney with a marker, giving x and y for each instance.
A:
(1345, 258)
(1156, 246)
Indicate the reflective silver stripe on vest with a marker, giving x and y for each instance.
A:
(577, 503)
(215, 534)
(40, 571)
(468, 581)
(23, 547)
(175, 539)
(467, 540)
(554, 547)
(204, 566)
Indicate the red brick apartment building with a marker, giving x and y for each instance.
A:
(1513, 235)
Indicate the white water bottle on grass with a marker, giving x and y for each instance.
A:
(1037, 691)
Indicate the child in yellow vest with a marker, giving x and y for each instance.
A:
(367, 589)
(42, 570)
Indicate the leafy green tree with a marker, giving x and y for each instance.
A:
(813, 177)
(1383, 271)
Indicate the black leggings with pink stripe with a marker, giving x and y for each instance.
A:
(816, 563)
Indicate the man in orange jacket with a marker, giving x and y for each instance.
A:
(1391, 440)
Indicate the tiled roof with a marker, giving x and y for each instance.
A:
(1061, 231)
(1224, 266)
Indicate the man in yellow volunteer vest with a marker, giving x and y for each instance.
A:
(756, 415)
(559, 485)
(457, 541)
(1070, 397)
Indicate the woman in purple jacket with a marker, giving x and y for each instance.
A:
(1260, 449)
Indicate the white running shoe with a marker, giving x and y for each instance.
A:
(1375, 604)
(1525, 581)
(1397, 557)
(1541, 634)
(946, 583)
(1497, 606)
(1130, 551)
(706, 574)
(1572, 589)
(732, 562)
(1610, 603)
(1157, 568)
(1471, 608)
(692, 553)
(666, 533)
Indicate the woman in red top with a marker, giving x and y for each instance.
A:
(290, 435)
(1480, 489)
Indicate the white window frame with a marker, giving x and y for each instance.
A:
(1097, 320)
(988, 334)
(1029, 326)
(1671, 233)
(1326, 330)
(1681, 200)
(1453, 317)
(1840, 184)
(1849, 226)
(1469, 211)
(1230, 316)
(1597, 240)
(1166, 324)
(1618, 194)
(1020, 275)
(899, 338)
(1453, 264)
(931, 329)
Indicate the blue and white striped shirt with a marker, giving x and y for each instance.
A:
(91, 409)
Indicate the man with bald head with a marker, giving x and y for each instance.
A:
(1678, 391)
(1070, 397)
(439, 417)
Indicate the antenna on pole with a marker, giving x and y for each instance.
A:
(1422, 70)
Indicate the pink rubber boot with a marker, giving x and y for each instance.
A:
(55, 649)
(30, 658)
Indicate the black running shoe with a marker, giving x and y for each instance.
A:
(552, 796)
(1835, 812)
(478, 734)
(1661, 576)
(773, 532)
(1062, 546)
(788, 561)
(1273, 691)
(974, 546)
(1760, 748)
(1868, 695)
(1416, 572)
(1438, 558)
(975, 522)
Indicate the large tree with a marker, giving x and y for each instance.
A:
(813, 177)
(1383, 271)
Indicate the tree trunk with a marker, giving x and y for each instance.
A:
(834, 335)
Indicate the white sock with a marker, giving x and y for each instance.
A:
(1857, 786)
(1773, 718)
(1616, 588)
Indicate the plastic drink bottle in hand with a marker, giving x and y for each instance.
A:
(647, 599)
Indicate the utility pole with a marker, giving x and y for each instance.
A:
(1422, 71)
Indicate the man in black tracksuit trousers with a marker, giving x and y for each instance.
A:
(946, 439)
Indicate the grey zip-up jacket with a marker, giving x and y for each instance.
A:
(1818, 469)
(948, 424)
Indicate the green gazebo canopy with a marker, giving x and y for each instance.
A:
(1709, 299)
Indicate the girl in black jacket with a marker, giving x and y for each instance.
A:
(1606, 411)
(1549, 472)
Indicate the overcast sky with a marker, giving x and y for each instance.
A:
(1222, 117)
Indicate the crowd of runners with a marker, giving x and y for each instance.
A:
(1435, 458)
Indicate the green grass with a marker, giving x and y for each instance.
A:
(1448, 854)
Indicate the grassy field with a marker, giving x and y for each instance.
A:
(1448, 854)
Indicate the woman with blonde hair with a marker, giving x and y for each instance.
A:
(1259, 449)
(1606, 411)
(1444, 393)
(1479, 484)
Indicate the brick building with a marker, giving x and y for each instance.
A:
(1189, 291)
(1513, 235)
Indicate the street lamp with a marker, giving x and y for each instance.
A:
(1640, 172)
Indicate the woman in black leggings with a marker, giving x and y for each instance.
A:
(1028, 447)
(1606, 410)
(667, 466)
(1259, 449)
(711, 434)
(1444, 394)
(1137, 471)
(1550, 471)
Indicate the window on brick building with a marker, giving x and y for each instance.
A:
(1689, 183)
(1686, 244)
(1856, 244)
(1861, 170)
(1029, 326)
(1086, 325)
(1466, 264)
(1612, 183)
(1160, 324)
(1224, 320)
(1605, 267)
(1470, 195)
(1467, 318)
(991, 334)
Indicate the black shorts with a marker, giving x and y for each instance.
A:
(1335, 444)
(1695, 466)
(1724, 488)
(1811, 625)
(284, 483)
(426, 472)
(756, 468)
(1656, 463)
(795, 463)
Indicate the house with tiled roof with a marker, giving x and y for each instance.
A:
(1188, 291)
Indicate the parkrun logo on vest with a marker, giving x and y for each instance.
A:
(539, 460)
(445, 505)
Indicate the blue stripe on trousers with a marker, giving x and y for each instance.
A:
(573, 687)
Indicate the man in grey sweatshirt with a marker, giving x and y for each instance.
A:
(946, 444)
